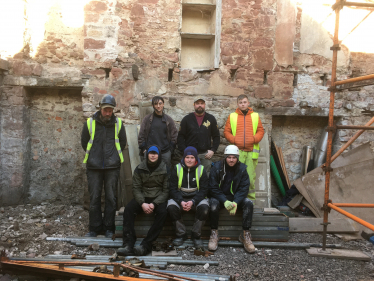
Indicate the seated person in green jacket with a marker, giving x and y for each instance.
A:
(150, 189)
(188, 189)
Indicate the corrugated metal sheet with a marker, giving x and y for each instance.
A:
(274, 227)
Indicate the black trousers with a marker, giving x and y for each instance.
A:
(201, 215)
(201, 212)
(246, 205)
(97, 179)
(131, 210)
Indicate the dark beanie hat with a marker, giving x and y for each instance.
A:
(190, 150)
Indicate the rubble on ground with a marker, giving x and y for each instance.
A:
(24, 228)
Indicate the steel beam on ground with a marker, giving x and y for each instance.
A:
(55, 271)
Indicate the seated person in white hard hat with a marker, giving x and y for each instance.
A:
(188, 190)
(228, 188)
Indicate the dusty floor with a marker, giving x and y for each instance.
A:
(23, 230)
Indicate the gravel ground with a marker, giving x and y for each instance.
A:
(23, 230)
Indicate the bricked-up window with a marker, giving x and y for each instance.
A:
(201, 34)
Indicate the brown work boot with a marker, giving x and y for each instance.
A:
(213, 240)
(245, 238)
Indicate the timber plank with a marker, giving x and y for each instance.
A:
(339, 254)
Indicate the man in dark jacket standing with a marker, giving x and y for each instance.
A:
(188, 189)
(198, 129)
(150, 189)
(103, 139)
(228, 188)
(158, 129)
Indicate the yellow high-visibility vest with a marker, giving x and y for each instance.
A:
(255, 118)
(91, 125)
(199, 172)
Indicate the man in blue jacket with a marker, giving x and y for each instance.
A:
(228, 187)
(188, 190)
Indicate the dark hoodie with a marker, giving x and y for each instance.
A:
(188, 182)
(240, 182)
(104, 154)
(227, 179)
(153, 166)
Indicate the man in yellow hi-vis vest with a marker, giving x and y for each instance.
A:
(188, 185)
(103, 139)
(244, 129)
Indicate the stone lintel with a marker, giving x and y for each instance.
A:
(43, 82)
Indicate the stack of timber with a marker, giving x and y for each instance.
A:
(265, 227)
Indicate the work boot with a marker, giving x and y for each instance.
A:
(179, 241)
(213, 240)
(198, 243)
(109, 234)
(91, 234)
(196, 233)
(245, 238)
(125, 251)
(141, 250)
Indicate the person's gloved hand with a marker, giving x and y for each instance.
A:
(233, 210)
(228, 205)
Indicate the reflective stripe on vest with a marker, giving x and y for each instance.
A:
(251, 195)
(91, 125)
(199, 173)
(255, 118)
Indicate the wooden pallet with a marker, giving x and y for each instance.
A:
(273, 227)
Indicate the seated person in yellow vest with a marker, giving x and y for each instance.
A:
(188, 190)
(244, 129)
(103, 138)
(150, 189)
(228, 188)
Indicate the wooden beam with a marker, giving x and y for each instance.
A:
(338, 254)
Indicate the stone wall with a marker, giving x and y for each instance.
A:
(56, 169)
(131, 49)
(15, 145)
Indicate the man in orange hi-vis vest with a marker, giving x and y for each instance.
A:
(244, 129)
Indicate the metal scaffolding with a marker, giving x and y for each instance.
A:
(335, 87)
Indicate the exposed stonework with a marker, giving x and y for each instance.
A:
(132, 49)
(56, 169)
(15, 144)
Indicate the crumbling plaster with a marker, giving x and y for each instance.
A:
(99, 58)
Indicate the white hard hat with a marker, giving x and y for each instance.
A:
(231, 150)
